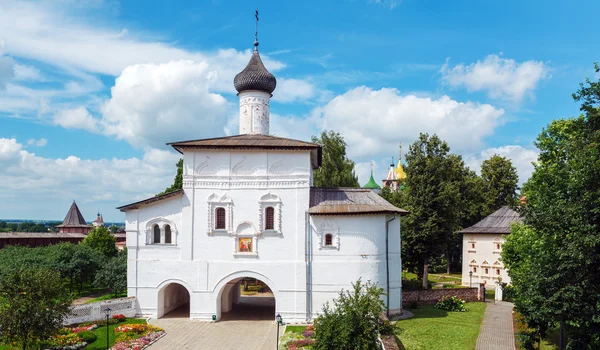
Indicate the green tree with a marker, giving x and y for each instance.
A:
(12, 227)
(101, 240)
(433, 197)
(33, 306)
(336, 170)
(178, 181)
(562, 201)
(113, 228)
(355, 320)
(113, 274)
(501, 179)
(2, 225)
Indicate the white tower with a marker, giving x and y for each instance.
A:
(255, 86)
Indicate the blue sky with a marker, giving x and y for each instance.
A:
(90, 93)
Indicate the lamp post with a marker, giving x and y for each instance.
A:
(107, 313)
(470, 279)
(278, 320)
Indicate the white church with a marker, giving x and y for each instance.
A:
(248, 210)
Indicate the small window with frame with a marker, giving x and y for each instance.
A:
(220, 219)
(269, 218)
(328, 240)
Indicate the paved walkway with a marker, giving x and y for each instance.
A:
(249, 326)
(497, 329)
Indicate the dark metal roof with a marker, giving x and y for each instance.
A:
(74, 218)
(252, 142)
(349, 201)
(255, 76)
(498, 222)
(154, 199)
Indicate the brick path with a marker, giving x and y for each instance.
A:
(226, 335)
(497, 328)
(250, 326)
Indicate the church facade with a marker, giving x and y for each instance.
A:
(248, 210)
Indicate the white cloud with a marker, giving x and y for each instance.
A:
(39, 183)
(521, 158)
(289, 90)
(152, 104)
(7, 71)
(26, 72)
(502, 78)
(385, 3)
(77, 118)
(37, 143)
(373, 122)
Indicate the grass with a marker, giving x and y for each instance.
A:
(436, 277)
(107, 296)
(552, 340)
(432, 328)
(295, 329)
(490, 294)
(100, 343)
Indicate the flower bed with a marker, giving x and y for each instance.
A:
(294, 339)
(136, 336)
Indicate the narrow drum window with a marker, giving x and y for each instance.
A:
(156, 237)
(474, 269)
(472, 245)
(486, 271)
(220, 219)
(329, 239)
(269, 218)
(168, 234)
(497, 246)
(498, 272)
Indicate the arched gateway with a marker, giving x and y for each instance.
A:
(173, 300)
(246, 296)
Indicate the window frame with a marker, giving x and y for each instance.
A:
(220, 220)
(329, 227)
(269, 218)
(328, 239)
(161, 223)
(168, 234)
(270, 200)
(215, 202)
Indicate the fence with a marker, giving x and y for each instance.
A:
(96, 311)
(432, 296)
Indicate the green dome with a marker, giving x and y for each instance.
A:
(372, 185)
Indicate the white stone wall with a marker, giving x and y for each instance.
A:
(254, 112)
(484, 255)
(205, 261)
(358, 251)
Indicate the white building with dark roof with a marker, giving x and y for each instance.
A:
(248, 210)
(482, 246)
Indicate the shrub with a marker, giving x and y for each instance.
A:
(408, 285)
(354, 321)
(527, 337)
(87, 336)
(451, 304)
(119, 317)
(413, 305)
(447, 285)
(508, 292)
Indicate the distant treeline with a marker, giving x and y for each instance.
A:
(28, 226)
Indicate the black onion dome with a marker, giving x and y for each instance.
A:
(255, 76)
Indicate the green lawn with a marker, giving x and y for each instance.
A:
(107, 296)
(100, 343)
(295, 329)
(438, 329)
